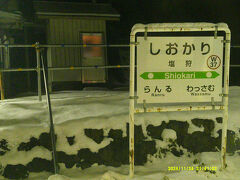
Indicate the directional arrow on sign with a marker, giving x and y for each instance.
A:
(180, 75)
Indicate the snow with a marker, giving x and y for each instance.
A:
(25, 157)
(113, 176)
(25, 117)
(158, 170)
(58, 177)
(169, 134)
(180, 25)
(184, 25)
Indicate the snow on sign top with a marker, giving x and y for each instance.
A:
(181, 68)
(180, 25)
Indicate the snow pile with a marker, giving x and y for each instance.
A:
(169, 135)
(104, 105)
(22, 118)
(110, 175)
(58, 177)
(199, 25)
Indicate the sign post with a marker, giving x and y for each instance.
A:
(179, 69)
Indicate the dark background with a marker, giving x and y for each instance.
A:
(165, 11)
(151, 11)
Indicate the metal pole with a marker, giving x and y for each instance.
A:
(76, 68)
(62, 45)
(1, 78)
(235, 65)
(38, 72)
(84, 45)
(64, 68)
(6, 84)
(178, 108)
(1, 87)
(8, 58)
(18, 69)
(52, 132)
(131, 105)
(225, 99)
(235, 46)
(88, 67)
(75, 45)
(49, 64)
(17, 45)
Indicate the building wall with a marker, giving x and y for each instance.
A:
(67, 31)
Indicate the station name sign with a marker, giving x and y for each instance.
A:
(179, 69)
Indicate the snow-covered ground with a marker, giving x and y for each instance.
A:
(73, 111)
(157, 170)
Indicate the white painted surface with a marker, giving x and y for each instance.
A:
(179, 64)
(73, 111)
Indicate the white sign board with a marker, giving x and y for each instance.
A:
(179, 69)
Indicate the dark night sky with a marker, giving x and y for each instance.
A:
(164, 11)
(149, 11)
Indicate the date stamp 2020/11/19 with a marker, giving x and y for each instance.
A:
(192, 168)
